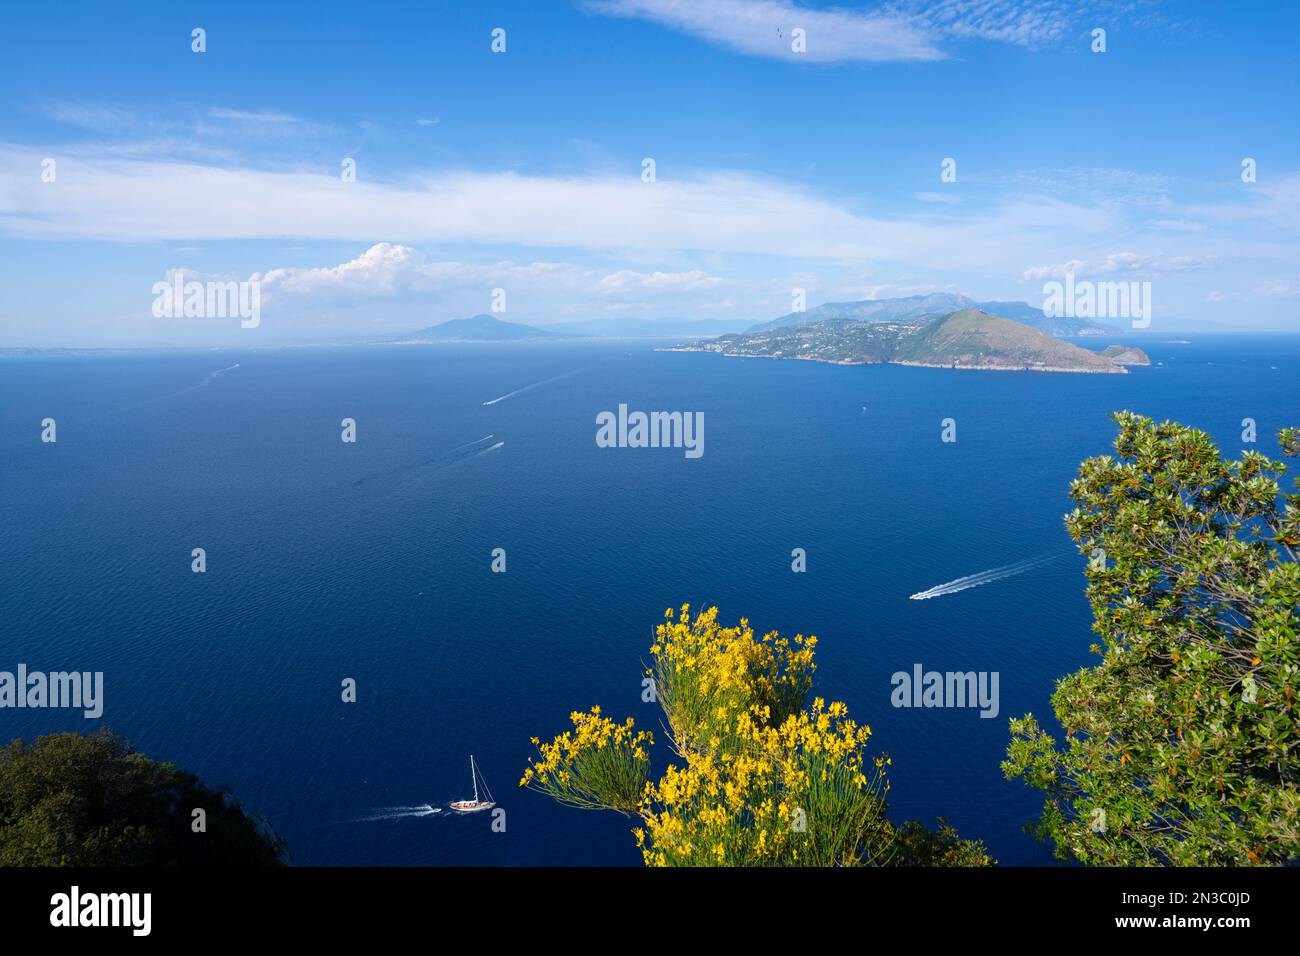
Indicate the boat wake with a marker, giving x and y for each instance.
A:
(481, 451)
(207, 380)
(468, 448)
(448, 458)
(381, 814)
(529, 388)
(985, 577)
(471, 450)
(212, 375)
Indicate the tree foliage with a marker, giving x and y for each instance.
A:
(762, 777)
(1181, 745)
(91, 800)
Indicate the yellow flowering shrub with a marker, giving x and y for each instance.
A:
(763, 778)
(598, 765)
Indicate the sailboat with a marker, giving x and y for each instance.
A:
(473, 806)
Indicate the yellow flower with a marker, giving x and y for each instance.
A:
(751, 749)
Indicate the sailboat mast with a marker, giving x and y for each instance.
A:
(473, 772)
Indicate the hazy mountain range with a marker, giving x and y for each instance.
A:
(488, 328)
(650, 328)
(936, 303)
(476, 328)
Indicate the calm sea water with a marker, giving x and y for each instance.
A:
(371, 561)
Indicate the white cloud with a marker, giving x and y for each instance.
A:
(244, 116)
(1179, 225)
(187, 121)
(99, 195)
(389, 269)
(662, 235)
(1284, 288)
(1023, 23)
(1166, 264)
(1101, 184)
(392, 269)
(763, 28)
(1121, 262)
(626, 281)
(907, 30)
(1038, 273)
(101, 119)
(1280, 288)
(1117, 262)
(388, 282)
(1273, 201)
(383, 269)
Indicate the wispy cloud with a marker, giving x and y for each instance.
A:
(1027, 23)
(92, 116)
(259, 116)
(389, 280)
(1121, 262)
(390, 269)
(626, 282)
(110, 198)
(106, 193)
(1288, 288)
(936, 197)
(903, 31)
(764, 28)
(1099, 184)
(186, 127)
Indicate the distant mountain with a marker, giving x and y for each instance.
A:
(477, 328)
(1126, 355)
(872, 310)
(916, 307)
(971, 338)
(650, 328)
(964, 338)
(1058, 325)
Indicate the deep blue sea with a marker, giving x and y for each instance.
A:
(371, 560)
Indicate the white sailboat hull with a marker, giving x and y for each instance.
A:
(470, 806)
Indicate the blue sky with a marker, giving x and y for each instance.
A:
(522, 170)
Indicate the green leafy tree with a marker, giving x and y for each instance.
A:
(1181, 745)
(91, 800)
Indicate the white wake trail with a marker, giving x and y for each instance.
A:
(206, 381)
(472, 455)
(380, 814)
(469, 444)
(983, 577)
(529, 388)
(484, 451)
